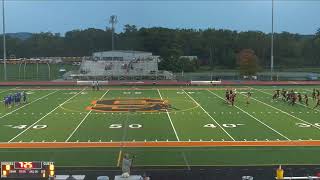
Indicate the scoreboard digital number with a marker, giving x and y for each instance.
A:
(34, 169)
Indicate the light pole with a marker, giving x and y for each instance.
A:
(271, 64)
(113, 20)
(4, 43)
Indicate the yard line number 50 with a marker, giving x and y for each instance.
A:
(119, 126)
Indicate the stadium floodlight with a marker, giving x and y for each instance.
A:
(4, 42)
(271, 63)
(113, 21)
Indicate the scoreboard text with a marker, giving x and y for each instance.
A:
(34, 169)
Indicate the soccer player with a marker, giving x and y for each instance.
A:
(299, 98)
(318, 102)
(284, 94)
(9, 100)
(289, 95)
(293, 99)
(274, 96)
(314, 94)
(278, 93)
(5, 101)
(248, 97)
(233, 97)
(306, 99)
(227, 96)
(24, 95)
(97, 85)
(93, 85)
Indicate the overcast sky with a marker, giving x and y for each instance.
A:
(296, 16)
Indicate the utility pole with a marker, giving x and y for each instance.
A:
(271, 64)
(4, 42)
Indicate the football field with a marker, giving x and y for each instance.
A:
(161, 125)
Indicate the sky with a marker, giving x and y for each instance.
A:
(58, 16)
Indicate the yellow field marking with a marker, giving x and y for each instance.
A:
(137, 113)
(119, 158)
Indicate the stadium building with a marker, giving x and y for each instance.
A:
(120, 65)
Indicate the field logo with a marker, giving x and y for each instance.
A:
(130, 105)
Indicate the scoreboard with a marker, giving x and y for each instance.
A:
(34, 169)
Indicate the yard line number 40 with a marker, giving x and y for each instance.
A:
(23, 126)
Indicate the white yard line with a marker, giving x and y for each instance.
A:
(297, 103)
(186, 160)
(208, 115)
(174, 129)
(27, 104)
(75, 130)
(284, 112)
(254, 117)
(7, 90)
(175, 132)
(45, 116)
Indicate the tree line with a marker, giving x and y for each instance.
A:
(213, 47)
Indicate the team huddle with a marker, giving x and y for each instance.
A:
(293, 97)
(15, 99)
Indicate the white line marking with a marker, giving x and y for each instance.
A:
(83, 119)
(7, 90)
(45, 116)
(174, 129)
(286, 113)
(186, 161)
(209, 115)
(27, 104)
(254, 117)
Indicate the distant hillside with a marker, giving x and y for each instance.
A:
(20, 35)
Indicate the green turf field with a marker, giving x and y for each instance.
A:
(59, 114)
(34, 72)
